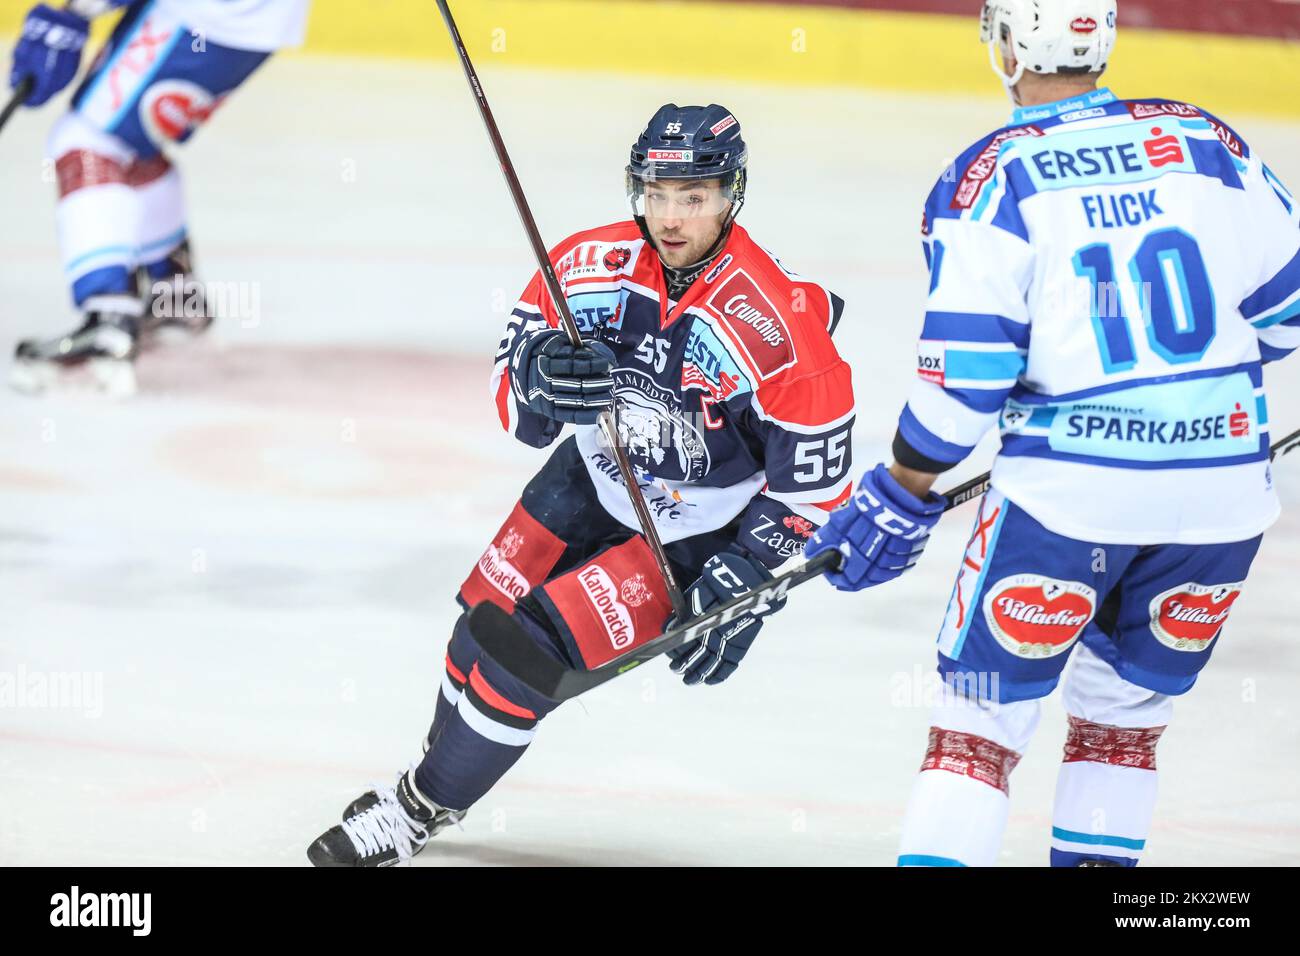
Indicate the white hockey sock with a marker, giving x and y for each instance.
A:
(1106, 789)
(959, 804)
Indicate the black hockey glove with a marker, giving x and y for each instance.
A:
(560, 381)
(714, 657)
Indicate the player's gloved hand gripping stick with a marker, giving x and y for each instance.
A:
(519, 654)
(607, 421)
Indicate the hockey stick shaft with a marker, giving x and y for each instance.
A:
(608, 424)
(498, 635)
(20, 94)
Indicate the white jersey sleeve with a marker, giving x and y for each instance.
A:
(1273, 229)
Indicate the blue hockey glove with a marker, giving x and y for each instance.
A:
(712, 658)
(562, 382)
(881, 531)
(49, 51)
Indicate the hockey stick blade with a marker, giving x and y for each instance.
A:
(20, 94)
(1288, 444)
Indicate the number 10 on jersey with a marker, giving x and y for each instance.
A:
(1173, 286)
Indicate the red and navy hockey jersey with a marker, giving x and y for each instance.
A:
(732, 398)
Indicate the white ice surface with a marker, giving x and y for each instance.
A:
(257, 555)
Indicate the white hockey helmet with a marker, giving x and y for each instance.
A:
(1050, 35)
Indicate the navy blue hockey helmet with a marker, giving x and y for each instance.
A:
(689, 143)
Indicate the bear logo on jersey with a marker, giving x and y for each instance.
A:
(1035, 616)
(1190, 616)
(650, 424)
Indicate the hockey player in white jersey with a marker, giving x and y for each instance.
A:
(1108, 279)
(121, 213)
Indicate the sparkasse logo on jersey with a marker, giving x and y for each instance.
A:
(759, 329)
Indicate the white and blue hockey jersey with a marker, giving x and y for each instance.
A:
(1107, 280)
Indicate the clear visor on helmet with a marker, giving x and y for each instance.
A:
(679, 198)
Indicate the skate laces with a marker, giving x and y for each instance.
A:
(386, 826)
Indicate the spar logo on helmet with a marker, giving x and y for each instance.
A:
(671, 155)
(1188, 617)
(171, 109)
(1084, 25)
(754, 323)
(616, 259)
(599, 589)
(1035, 616)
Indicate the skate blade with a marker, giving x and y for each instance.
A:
(171, 334)
(112, 377)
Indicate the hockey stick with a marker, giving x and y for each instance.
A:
(608, 424)
(21, 92)
(499, 635)
(512, 648)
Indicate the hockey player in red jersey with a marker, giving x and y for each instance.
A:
(735, 411)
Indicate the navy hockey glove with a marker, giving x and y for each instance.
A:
(881, 531)
(49, 51)
(562, 382)
(712, 658)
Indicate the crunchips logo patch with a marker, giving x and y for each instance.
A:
(1036, 616)
(1084, 25)
(600, 590)
(671, 155)
(1163, 149)
(1188, 617)
(757, 326)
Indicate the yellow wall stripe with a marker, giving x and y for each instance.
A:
(789, 45)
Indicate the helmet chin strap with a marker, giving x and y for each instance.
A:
(1008, 81)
